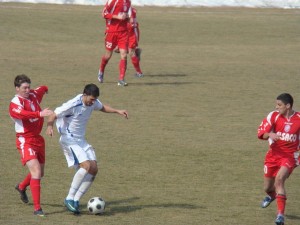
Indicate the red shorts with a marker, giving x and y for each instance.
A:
(133, 38)
(273, 163)
(115, 39)
(31, 148)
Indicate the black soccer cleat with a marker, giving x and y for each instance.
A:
(39, 212)
(22, 193)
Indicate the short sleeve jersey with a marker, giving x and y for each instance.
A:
(115, 7)
(287, 129)
(25, 112)
(133, 23)
(72, 116)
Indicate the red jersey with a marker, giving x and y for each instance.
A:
(115, 7)
(132, 23)
(133, 26)
(287, 129)
(26, 113)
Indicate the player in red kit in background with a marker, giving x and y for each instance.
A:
(27, 114)
(133, 42)
(281, 128)
(116, 13)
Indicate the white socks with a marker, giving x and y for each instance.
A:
(85, 185)
(82, 181)
(77, 180)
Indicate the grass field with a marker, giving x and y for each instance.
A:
(188, 154)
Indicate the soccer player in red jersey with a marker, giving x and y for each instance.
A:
(116, 13)
(133, 43)
(282, 129)
(27, 114)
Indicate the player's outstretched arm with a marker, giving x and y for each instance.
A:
(46, 112)
(51, 119)
(108, 109)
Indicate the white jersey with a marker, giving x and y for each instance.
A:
(73, 116)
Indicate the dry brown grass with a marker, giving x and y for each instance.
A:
(188, 154)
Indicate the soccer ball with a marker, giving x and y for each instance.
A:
(96, 205)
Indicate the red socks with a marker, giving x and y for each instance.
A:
(103, 63)
(122, 68)
(281, 199)
(25, 183)
(136, 63)
(35, 187)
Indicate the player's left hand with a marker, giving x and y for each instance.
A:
(124, 113)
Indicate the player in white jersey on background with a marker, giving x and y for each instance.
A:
(71, 120)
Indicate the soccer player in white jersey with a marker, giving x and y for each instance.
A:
(71, 120)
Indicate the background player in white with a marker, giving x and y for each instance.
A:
(72, 118)
(27, 114)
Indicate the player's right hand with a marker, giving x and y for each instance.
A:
(274, 136)
(122, 16)
(46, 112)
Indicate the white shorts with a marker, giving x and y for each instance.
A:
(76, 150)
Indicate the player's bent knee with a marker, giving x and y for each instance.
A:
(85, 165)
(93, 168)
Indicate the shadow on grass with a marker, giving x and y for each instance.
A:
(154, 83)
(166, 75)
(114, 207)
(122, 206)
(163, 83)
(160, 83)
(62, 209)
(293, 217)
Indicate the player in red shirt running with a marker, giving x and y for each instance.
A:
(116, 12)
(281, 128)
(27, 114)
(133, 43)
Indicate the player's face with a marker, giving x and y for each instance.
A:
(23, 90)
(89, 100)
(281, 107)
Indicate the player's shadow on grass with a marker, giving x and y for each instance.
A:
(62, 209)
(293, 217)
(176, 83)
(166, 75)
(124, 206)
(158, 76)
(163, 76)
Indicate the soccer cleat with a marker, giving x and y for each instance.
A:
(139, 75)
(39, 212)
(267, 201)
(122, 83)
(70, 205)
(138, 52)
(100, 77)
(279, 220)
(23, 194)
(76, 206)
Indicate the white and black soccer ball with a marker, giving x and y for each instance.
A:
(96, 205)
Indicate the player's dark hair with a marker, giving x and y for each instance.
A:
(91, 90)
(20, 79)
(286, 98)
